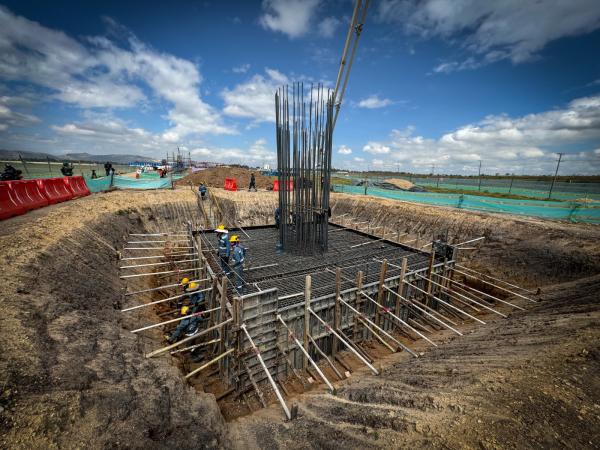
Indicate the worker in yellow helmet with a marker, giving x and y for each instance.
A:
(224, 248)
(189, 325)
(239, 256)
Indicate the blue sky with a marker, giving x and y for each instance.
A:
(435, 83)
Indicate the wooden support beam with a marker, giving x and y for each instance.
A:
(380, 291)
(307, 296)
(359, 283)
(337, 310)
(401, 284)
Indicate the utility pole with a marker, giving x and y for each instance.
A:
(560, 155)
(479, 175)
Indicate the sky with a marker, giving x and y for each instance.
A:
(437, 85)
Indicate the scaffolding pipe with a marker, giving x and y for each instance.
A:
(192, 347)
(303, 350)
(158, 288)
(157, 242)
(157, 256)
(159, 264)
(187, 339)
(492, 284)
(343, 341)
(444, 324)
(156, 273)
(388, 311)
(157, 234)
(156, 302)
(318, 349)
(377, 327)
(209, 363)
(153, 248)
(264, 366)
(177, 319)
(496, 279)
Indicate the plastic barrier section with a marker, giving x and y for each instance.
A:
(77, 186)
(276, 185)
(230, 184)
(8, 206)
(55, 190)
(27, 194)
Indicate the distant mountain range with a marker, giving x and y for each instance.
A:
(13, 155)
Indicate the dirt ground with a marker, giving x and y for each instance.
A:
(73, 376)
(215, 177)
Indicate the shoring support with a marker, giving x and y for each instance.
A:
(307, 295)
(448, 304)
(337, 317)
(359, 283)
(376, 336)
(209, 363)
(293, 337)
(177, 319)
(456, 287)
(390, 313)
(259, 393)
(377, 327)
(155, 248)
(156, 302)
(160, 234)
(149, 274)
(401, 284)
(414, 305)
(343, 341)
(159, 264)
(223, 309)
(166, 286)
(429, 276)
(157, 242)
(469, 241)
(187, 339)
(264, 366)
(496, 279)
(157, 256)
(492, 284)
(380, 291)
(192, 347)
(324, 355)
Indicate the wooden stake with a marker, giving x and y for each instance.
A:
(380, 292)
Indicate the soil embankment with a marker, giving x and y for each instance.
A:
(71, 373)
(215, 177)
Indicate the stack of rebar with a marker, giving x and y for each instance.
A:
(304, 140)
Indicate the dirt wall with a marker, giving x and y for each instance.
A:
(72, 375)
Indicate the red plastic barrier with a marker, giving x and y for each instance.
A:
(230, 184)
(77, 186)
(27, 193)
(8, 206)
(55, 190)
(276, 185)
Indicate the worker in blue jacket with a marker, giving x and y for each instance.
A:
(239, 255)
(224, 248)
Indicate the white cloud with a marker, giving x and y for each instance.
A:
(241, 69)
(255, 98)
(509, 29)
(328, 26)
(358, 159)
(503, 143)
(255, 154)
(291, 17)
(101, 74)
(376, 148)
(344, 150)
(9, 117)
(374, 102)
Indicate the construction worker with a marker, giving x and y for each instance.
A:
(239, 254)
(202, 190)
(196, 298)
(94, 175)
(107, 167)
(224, 249)
(185, 283)
(189, 325)
(252, 183)
(67, 169)
(277, 217)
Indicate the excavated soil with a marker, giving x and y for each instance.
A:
(215, 177)
(73, 376)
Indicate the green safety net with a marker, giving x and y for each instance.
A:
(121, 182)
(572, 211)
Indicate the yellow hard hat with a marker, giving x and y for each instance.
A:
(234, 238)
(184, 310)
(193, 285)
(185, 281)
(221, 229)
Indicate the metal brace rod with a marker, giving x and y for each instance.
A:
(492, 284)
(209, 363)
(157, 256)
(156, 273)
(159, 264)
(152, 248)
(158, 288)
(144, 305)
(157, 242)
(177, 319)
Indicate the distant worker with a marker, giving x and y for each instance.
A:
(67, 169)
(252, 183)
(94, 175)
(224, 249)
(239, 256)
(107, 167)
(189, 325)
(202, 190)
(277, 217)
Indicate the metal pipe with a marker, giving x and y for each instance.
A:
(158, 288)
(444, 324)
(305, 353)
(209, 363)
(177, 319)
(157, 242)
(492, 284)
(192, 347)
(144, 305)
(156, 273)
(152, 248)
(468, 242)
(187, 339)
(343, 341)
(318, 349)
(157, 256)
(264, 366)
(373, 324)
(159, 264)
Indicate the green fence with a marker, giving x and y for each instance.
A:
(571, 211)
